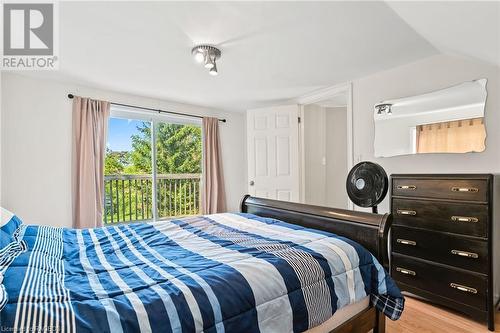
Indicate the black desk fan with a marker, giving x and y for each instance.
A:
(367, 185)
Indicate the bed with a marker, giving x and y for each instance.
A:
(273, 267)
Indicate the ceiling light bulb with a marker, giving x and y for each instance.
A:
(199, 57)
(213, 70)
(209, 60)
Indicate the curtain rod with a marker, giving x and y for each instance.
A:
(70, 96)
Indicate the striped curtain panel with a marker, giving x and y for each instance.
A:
(90, 124)
(213, 198)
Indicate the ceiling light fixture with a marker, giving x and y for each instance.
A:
(208, 55)
(209, 61)
(199, 57)
(383, 108)
(213, 70)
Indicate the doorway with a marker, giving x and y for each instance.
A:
(326, 147)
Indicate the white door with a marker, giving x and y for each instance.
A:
(273, 152)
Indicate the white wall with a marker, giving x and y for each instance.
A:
(336, 157)
(1, 73)
(314, 152)
(325, 154)
(36, 146)
(416, 78)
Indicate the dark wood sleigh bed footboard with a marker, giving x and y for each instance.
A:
(369, 230)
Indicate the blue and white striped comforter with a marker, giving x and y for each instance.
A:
(217, 273)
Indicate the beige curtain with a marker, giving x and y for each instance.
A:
(213, 198)
(459, 136)
(90, 123)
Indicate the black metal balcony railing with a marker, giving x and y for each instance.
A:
(128, 198)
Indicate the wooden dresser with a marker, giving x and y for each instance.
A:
(443, 240)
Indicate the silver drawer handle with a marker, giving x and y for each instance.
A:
(465, 254)
(406, 212)
(464, 219)
(407, 187)
(406, 271)
(464, 189)
(406, 242)
(463, 288)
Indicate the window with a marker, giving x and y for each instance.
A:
(460, 136)
(142, 151)
(178, 167)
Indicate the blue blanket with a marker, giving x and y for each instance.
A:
(216, 273)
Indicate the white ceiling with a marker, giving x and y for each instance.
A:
(271, 51)
(468, 28)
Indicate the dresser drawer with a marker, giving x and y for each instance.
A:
(458, 285)
(459, 218)
(452, 250)
(456, 189)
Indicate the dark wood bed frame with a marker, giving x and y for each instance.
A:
(369, 230)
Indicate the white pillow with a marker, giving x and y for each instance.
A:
(5, 216)
(9, 224)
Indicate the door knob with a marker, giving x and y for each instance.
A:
(252, 183)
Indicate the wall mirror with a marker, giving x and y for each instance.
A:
(449, 120)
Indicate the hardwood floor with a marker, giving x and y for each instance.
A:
(421, 317)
